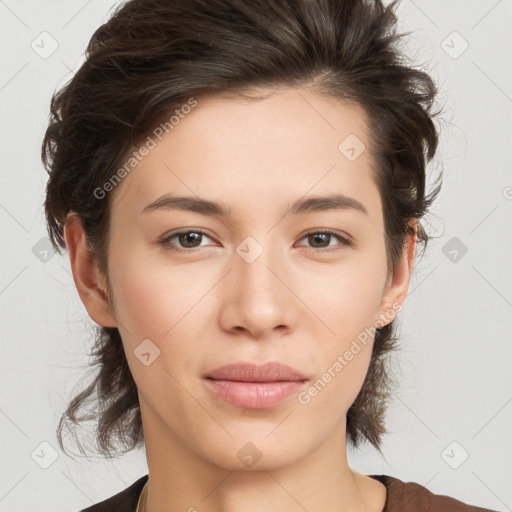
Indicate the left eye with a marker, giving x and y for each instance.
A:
(191, 239)
(320, 237)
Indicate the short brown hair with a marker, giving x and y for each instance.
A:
(150, 57)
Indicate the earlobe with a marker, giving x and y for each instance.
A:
(89, 282)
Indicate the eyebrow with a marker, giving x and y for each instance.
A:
(205, 207)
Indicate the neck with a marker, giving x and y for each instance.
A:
(180, 479)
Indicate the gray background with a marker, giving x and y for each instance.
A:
(455, 398)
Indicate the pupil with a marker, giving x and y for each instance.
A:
(186, 238)
(319, 235)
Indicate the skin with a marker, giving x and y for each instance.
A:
(210, 307)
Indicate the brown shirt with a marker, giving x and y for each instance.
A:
(401, 497)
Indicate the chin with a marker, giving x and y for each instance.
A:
(256, 452)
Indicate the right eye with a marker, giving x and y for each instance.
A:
(187, 238)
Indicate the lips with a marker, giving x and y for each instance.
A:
(251, 386)
(249, 372)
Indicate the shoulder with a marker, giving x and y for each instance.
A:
(124, 501)
(410, 496)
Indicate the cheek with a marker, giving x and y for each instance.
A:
(150, 297)
(342, 367)
(348, 301)
(166, 305)
(335, 389)
(348, 297)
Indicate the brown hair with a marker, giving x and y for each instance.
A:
(152, 56)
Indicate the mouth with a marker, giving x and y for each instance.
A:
(251, 386)
(250, 372)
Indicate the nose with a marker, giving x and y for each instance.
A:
(257, 298)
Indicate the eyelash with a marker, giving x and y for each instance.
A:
(344, 241)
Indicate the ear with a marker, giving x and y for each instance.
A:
(89, 282)
(397, 285)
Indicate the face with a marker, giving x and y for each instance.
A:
(257, 281)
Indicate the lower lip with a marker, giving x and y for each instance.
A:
(254, 395)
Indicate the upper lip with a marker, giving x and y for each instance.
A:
(250, 372)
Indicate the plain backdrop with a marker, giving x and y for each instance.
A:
(450, 420)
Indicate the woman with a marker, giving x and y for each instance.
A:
(239, 186)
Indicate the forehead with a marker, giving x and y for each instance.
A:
(243, 153)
